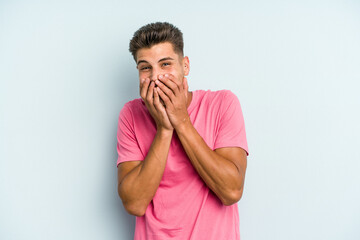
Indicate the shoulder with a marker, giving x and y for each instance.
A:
(227, 94)
(215, 94)
(132, 109)
(219, 97)
(133, 106)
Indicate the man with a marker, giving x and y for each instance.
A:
(182, 155)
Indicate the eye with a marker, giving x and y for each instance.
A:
(165, 64)
(145, 68)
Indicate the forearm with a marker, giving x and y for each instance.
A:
(221, 175)
(139, 186)
(218, 171)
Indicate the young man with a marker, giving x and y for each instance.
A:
(182, 155)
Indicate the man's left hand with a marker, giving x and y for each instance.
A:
(174, 94)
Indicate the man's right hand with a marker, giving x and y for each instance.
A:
(154, 105)
(138, 181)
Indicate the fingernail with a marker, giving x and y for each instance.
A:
(166, 75)
(157, 81)
(160, 76)
(142, 80)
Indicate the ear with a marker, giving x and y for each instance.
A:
(186, 65)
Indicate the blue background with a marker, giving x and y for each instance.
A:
(65, 73)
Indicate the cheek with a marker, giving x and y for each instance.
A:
(143, 75)
(175, 72)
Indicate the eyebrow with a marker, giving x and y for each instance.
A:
(163, 59)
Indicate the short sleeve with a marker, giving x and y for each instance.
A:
(127, 145)
(231, 128)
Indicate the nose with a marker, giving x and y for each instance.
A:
(155, 73)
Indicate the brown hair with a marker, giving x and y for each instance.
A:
(155, 33)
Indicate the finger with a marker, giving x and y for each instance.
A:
(150, 98)
(142, 80)
(158, 105)
(164, 97)
(144, 85)
(170, 82)
(170, 79)
(165, 89)
(150, 93)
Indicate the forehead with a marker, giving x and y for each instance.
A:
(156, 52)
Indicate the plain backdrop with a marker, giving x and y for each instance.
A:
(65, 73)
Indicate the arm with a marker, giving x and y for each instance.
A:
(223, 170)
(139, 180)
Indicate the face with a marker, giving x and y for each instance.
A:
(161, 59)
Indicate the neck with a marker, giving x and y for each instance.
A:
(188, 99)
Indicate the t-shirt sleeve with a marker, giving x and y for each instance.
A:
(231, 128)
(127, 145)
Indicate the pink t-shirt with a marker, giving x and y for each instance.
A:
(183, 206)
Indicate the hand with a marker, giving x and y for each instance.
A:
(174, 95)
(153, 104)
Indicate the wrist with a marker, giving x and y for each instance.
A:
(164, 132)
(183, 124)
